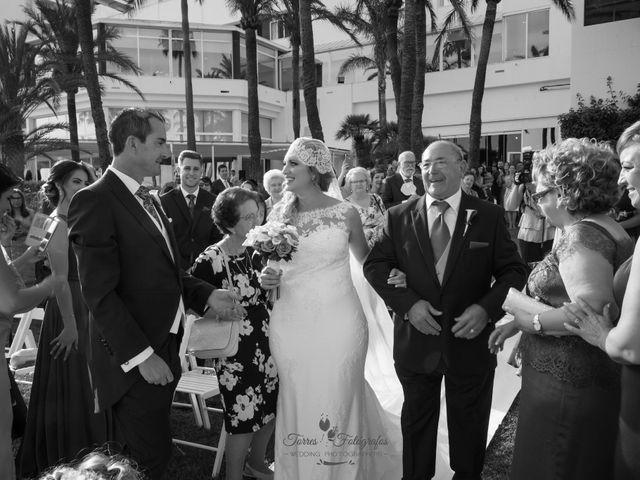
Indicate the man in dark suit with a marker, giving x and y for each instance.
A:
(222, 182)
(404, 183)
(136, 293)
(452, 247)
(189, 208)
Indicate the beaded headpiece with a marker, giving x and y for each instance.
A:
(311, 152)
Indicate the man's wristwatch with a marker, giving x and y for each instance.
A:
(537, 326)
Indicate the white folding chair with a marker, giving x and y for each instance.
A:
(24, 347)
(200, 383)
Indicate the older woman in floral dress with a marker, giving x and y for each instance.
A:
(248, 380)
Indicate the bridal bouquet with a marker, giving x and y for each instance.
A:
(276, 242)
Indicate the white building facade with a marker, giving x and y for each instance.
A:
(539, 61)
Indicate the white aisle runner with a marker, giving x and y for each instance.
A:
(505, 387)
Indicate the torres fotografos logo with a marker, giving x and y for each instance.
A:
(332, 446)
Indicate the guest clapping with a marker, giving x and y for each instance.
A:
(249, 377)
(273, 182)
(621, 341)
(570, 390)
(369, 205)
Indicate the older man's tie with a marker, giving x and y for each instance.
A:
(440, 235)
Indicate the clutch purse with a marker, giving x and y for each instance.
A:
(516, 300)
(214, 338)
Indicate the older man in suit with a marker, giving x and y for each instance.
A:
(189, 208)
(404, 183)
(128, 263)
(460, 262)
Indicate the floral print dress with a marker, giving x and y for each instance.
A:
(372, 217)
(248, 380)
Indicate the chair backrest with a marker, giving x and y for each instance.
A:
(22, 332)
(184, 344)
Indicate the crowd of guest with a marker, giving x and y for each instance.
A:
(578, 406)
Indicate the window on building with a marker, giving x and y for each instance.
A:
(495, 52)
(456, 50)
(286, 74)
(278, 29)
(216, 55)
(527, 35)
(152, 57)
(176, 52)
(265, 128)
(267, 66)
(604, 11)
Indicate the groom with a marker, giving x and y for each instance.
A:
(452, 248)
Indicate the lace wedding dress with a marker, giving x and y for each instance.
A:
(329, 423)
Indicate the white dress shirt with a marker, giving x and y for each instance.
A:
(185, 193)
(132, 185)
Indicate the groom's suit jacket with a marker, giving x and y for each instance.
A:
(129, 281)
(484, 253)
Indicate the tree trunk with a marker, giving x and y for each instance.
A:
(254, 170)
(381, 64)
(13, 151)
(73, 125)
(408, 76)
(188, 86)
(475, 120)
(295, 88)
(392, 50)
(309, 71)
(85, 33)
(417, 138)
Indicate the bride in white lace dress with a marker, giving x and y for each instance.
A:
(329, 423)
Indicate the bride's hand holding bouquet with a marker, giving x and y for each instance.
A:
(276, 242)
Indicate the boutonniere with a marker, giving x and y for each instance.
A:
(471, 214)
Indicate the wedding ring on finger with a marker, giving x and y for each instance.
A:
(472, 330)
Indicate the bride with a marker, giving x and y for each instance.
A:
(329, 423)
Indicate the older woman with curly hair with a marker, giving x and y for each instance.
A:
(621, 341)
(570, 389)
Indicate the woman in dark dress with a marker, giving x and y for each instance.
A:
(61, 424)
(570, 390)
(621, 341)
(248, 380)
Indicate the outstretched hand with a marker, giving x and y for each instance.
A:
(500, 335)
(588, 324)
(224, 304)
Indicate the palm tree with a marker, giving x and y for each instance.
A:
(252, 13)
(423, 6)
(24, 86)
(360, 129)
(369, 18)
(309, 70)
(56, 28)
(84, 9)
(475, 120)
(393, 7)
(408, 75)
(289, 15)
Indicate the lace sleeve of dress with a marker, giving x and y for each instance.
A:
(588, 235)
(276, 213)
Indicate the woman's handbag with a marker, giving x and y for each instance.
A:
(213, 338)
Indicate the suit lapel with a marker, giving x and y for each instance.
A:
(169, 228)
(421, 230)
(131, 204)
(457, 240)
